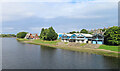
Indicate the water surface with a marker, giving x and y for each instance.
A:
(17, 55)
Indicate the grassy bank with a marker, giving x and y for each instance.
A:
(20, 39)
(46, 42)
(112, 48)
(54, 44)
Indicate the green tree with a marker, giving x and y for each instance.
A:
(112, 36)
(52, 35)
(84, 31)
(77, 32)
(41, 33)
(72, 32)
(21, 34)
(48, 34)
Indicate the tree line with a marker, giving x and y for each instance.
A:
(111, 35)
(82, 31)
(7, 35)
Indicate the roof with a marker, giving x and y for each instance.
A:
(69, 34)
(87, 35)
(27, 35)
(60, 33)
(34, 34)
(97, 35)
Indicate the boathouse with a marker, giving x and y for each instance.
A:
(98, 39)
(80, 38)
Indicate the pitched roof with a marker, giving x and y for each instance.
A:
(87, 35)
(34, 34)
(69, 34)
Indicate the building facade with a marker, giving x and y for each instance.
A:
(31, 36)
(98, 39)
(83, 38)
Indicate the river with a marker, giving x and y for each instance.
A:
(18, 55)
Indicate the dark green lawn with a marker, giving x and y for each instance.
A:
(112, 48)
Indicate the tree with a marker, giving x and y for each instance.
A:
(112, 36)
(7, 35)
(84, 31)
(41, 33)
(90, 32)
(77, 32)
(72, 32)
(48, 34)
(21, 34)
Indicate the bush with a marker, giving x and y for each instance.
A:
(21, 34)
(112, 36)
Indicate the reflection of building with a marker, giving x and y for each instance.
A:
(31, 36)
(83, 38)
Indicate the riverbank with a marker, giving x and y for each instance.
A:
(82, 47)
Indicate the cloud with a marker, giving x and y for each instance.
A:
(36, 29)
(75, 14)
(15, 11)
(7, 29)
(58, 0)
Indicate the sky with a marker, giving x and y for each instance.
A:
(63, 15)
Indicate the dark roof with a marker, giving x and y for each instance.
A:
(98, 35)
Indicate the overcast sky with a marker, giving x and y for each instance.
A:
(63, 15)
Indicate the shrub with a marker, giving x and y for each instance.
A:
(21, 34)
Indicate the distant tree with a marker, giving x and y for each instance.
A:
(84, 31)
(7, 35)
(72, 32)
(90, 32)
(77, 32)
(21, 34)
(112, 36)
(13, 35)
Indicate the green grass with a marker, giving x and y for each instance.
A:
(66, 42)
(112, 48)
(46, 42)
(20, 39)
(82, 44)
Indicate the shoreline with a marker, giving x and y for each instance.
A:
(80, 49)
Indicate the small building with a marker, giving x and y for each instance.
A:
(60, 35)
(98, 39)
(28, 36)
(66, 37)
(31, 36)
(35, 36)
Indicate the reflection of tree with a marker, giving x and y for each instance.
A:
(48, 56)
(111, 62)
(47, 51)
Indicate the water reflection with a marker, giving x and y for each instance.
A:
(17, 55)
